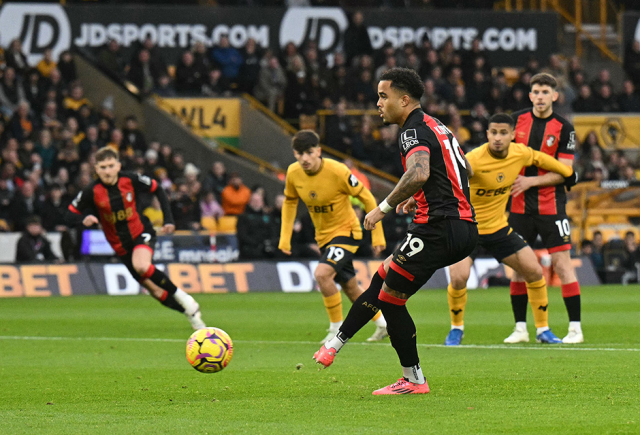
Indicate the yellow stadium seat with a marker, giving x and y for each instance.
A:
(594, 220)
(227, 224)
(609, 234)
(209, 223)
(616, 219)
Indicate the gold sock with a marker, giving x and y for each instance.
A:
(457, 301)
(539, 301)
(377, 316)
(333, 305)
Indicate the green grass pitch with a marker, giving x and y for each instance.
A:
(116, 365)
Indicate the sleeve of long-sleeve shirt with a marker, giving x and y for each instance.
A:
(289, 210)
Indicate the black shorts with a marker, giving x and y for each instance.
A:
(339, 258)
(427, 248)
(554, 230)
(148, 239)
(499, 245)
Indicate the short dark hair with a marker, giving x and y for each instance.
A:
(544, 79)
(405, 80)
(105, 153)
(502, 118)
(304, 140)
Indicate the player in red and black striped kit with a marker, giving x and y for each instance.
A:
(538, 203)
(112, 201)
(443, 232)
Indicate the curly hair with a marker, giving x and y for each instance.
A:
(405, 80)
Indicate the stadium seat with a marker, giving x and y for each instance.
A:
(209, 223)
(227, 224)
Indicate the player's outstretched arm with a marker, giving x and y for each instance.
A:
(523, 184)
(289, 209)
(377, 235)
(169, 225)
(417, 173)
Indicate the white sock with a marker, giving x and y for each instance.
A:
(541, 330)
(381, 321)
(460, 327)
(575, 326)
(186, 301)
(336, 342)
(414, 374)
(334, 326)
(521, 326)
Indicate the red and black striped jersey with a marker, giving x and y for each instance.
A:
(555, 137)
(446, 192)
(117, 208)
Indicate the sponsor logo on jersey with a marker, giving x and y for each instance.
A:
(320, 208)
(571, 144)
(500, 177)
(409, 138)
(129, 197)
(493, 192)
(353, 181)
(551, 139)
(313, 194)
(401, 258)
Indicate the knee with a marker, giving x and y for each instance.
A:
(323, 276)
(141, 267)
(459, 282)
(533, 274)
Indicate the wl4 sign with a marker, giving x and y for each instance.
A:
(207, 117)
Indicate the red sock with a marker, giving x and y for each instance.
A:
(518, 288)
(569, 290)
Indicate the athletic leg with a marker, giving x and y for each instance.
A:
(457, 299)
(570, 294)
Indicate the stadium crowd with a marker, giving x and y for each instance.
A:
(49, 130)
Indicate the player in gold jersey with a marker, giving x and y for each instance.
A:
(495, 167)
(325, 186)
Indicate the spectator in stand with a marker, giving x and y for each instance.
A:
(164, 87)
(50, 118)
(21, 123)
(606, 101)
(111, 61)
(255, 232)
(632, 62)
(11, 92)
(339, 129)
(154, 213)
(628, 99)
(75, 101)
(213, 84)
(177, 166)
(90, 144)
(54, 209)
(460, 132)
(250, 69)
(6, 195)
(33, 245)
(235, 196)
(25, 203)
(67, 67)
(216, 179)
(632, 254)
(272, 82)
(15, 58)
(229, 60)
(185, 209)
(47, 150)
(143, 73)
(33, 89)
(115, 140)
(46, 64)
(210, 207)
(133, 138)
(585, 103)
(189, 75)
(356, 38)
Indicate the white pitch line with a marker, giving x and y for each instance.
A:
(272, 342)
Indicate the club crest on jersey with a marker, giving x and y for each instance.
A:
(551, 139)
(500, 177)
(313, 194)
(129, 197)
(409, 138)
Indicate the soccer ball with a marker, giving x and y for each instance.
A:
(209, 350)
